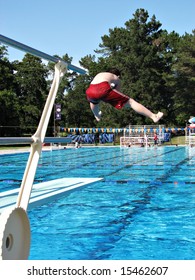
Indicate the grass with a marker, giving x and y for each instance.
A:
(177, 140)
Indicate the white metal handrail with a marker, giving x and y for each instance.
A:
(15, 44)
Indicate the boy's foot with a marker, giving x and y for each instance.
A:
(157, 117)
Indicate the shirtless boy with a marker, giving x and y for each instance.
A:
(106, 87)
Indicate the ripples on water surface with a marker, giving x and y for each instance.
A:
(144, 208)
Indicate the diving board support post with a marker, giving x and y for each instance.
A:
(38, 138)
(15, 241)
(14, 223)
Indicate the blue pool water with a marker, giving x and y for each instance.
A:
(143, 209)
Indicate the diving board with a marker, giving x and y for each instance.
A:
(46, 191)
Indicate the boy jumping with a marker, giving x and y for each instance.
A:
(106, 87)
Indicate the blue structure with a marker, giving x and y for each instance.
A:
(91, 138)
(167, 136)
(106, 138)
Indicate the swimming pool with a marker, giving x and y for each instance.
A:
(143, 209)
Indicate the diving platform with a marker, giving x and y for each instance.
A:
(45, 192)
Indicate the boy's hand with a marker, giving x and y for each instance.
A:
(99, 116)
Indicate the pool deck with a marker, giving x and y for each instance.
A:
(50, 148)
(45, 192)
(24, 150)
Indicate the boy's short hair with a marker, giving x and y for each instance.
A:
(114, 71)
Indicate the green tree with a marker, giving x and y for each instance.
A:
(76, 107)
(184, 71)
(71, 97)
(31, 76)
(6, 71)
(136, 51)
(158, 70)
(9, 106)
(9, 113)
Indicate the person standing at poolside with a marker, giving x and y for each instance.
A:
(155, 139)
(106, 87)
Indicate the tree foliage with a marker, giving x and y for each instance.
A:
(31, 82)
(158, 70)
(184, 68)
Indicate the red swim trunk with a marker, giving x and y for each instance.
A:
(103, 92)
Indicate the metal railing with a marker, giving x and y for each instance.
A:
(25, 48)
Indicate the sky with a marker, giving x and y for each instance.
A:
(75, 27)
